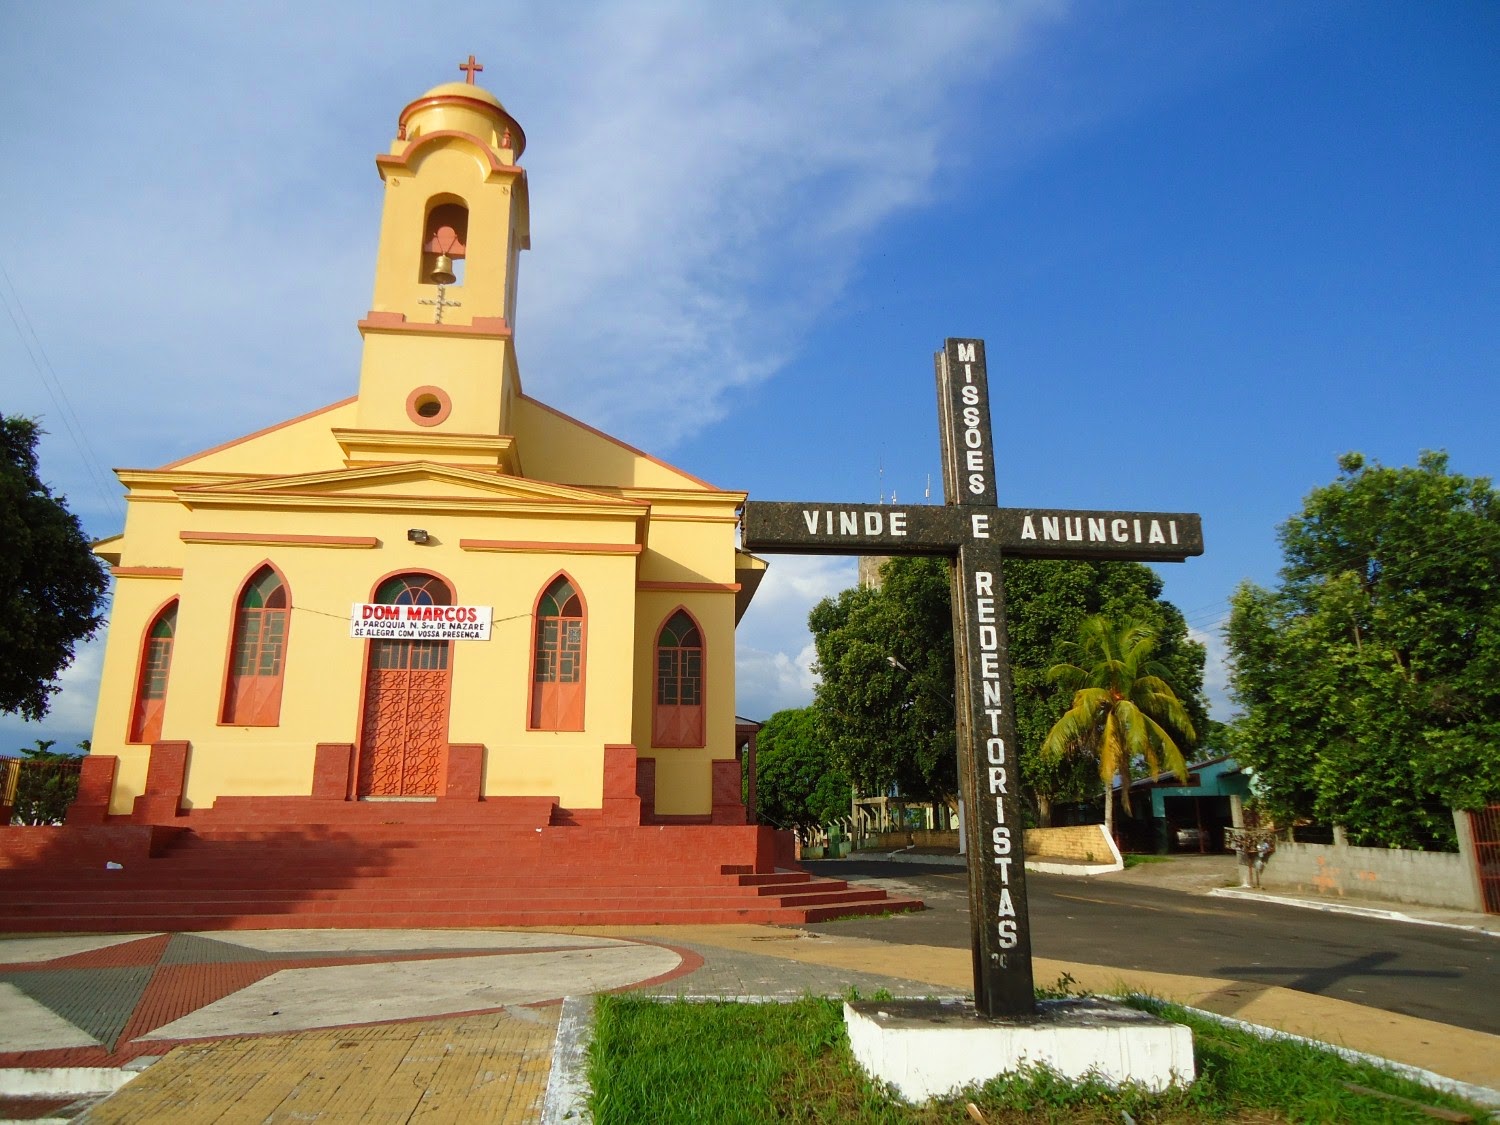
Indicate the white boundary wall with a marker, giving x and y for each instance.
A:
(1445, 879)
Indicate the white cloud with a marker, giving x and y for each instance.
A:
(711, 181)
(773, 648)
(192, 240)
(71, 716)
(1215, 672)
(767, 682)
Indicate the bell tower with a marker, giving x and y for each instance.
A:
(438, 348)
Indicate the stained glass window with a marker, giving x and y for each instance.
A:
(412, 589)
(678, 716)
(151, 683)
(557, 659)
(253, 694)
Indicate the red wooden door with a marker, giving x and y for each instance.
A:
(406, 719)
(404, 729)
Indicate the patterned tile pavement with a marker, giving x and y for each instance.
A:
(438, 1026)
(213, 1004)
(490, 1068)
(103, 1002)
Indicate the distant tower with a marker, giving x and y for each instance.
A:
(869, 565)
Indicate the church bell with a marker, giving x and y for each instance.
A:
(442, 270)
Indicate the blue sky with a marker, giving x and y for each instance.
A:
(1209, 247)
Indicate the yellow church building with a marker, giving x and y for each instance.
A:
(439, 590)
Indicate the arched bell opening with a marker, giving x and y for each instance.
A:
(445, 237)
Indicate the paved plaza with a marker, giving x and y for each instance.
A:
(444, 1025)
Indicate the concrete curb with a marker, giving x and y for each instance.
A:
(1480, 1095)
(1346, 908)
(1085, 869)
(568, 1087)
(60, 1081)
(1042, 865)
(87, 1085)
(567, 1099)
(908, 857)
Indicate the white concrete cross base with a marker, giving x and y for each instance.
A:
(928, 1048)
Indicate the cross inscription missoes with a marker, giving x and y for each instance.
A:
(971, 530)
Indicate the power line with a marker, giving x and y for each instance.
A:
(57, 393)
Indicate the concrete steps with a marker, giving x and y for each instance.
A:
(426, 875)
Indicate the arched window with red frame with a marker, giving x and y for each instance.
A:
(557, 658)
(677, 717)
(257, 654)
(151, 679)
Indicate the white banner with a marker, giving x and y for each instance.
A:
(420, 622)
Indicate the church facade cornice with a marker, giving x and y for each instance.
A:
(547, 547)
(142, 482)
(377, 321)
(481, 483)
(258, 539)
(405, 502)
(705, 495)
(371, 448)
(404, 161)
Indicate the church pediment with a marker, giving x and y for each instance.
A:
(405, 485)
(365, 449)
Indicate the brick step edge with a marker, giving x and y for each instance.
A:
(381, 891)
(11, 915)
(138, 876)
(188, 923)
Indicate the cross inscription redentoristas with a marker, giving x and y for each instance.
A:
(975, 533)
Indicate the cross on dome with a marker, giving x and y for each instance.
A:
(469, 68)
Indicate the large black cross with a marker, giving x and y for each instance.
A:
(970, 529)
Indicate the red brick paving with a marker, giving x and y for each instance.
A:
(121, 955)
(29, 1109)
(176, 990)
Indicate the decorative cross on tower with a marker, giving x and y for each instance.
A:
(469, 69)
(970, 529)
(442, 303)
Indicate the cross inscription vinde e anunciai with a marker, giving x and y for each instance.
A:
(970, 529)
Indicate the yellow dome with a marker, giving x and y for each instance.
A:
(462, 90)
(463, 108)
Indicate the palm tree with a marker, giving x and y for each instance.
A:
(1122, 707)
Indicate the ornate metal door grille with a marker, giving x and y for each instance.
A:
(1486, 828)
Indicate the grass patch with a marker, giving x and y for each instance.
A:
(1134, 860)
(728, 1063)
(725, 1063)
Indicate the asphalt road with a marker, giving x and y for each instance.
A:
(1448, 975)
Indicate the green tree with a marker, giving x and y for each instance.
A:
(1123, 708)
(885, 699)
(1047, 600)
(886, 661)
(52, 586)
(47, 785)
(799, 783)
(1369, 678)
